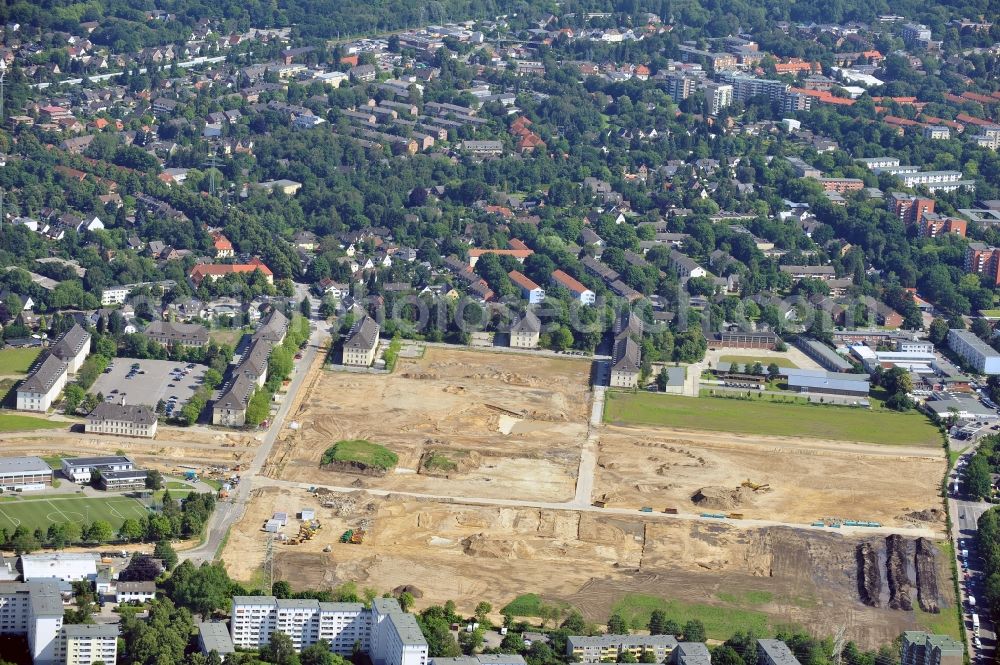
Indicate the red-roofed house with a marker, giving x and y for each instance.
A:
(519, 254)
(576, 289)
(216, 271)
(530, 291)
(223, 248)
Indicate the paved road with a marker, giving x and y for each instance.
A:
(965, 515)
(229, 512)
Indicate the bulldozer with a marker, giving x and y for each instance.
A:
(755, 486)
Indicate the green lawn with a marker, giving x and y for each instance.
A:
(944, 623)
(17, 361)
(528, 605)
(990, 313)
(10, 422)
(361, 451)
(768, 418)
(720, 621)
(743, 360)
(39, 512)
(177, 485)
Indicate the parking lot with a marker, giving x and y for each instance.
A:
(149, 381)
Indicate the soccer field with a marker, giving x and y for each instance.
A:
(40, 512)
(718, 414)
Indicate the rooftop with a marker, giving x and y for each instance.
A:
(23, 465)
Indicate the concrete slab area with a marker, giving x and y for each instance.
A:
(154, 380)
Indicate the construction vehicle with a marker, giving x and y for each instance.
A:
(670, 511)
(600, 503)
(646, 509)
(755, 486)
(328, 548)
(358, 537)
(735, 516)
(292, 541)
(346, 536)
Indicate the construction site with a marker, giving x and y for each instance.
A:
(483, 503)
(463, 423)
(798, 481)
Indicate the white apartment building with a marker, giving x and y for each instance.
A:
(974, 351)
(389, 635)
(34, 609)
(86, 644)
(361, 343)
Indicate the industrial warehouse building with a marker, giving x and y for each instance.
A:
(21, 473)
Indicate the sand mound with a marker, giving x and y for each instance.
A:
(926, 515)
(722, 498)
(408, 588)
(481, 545)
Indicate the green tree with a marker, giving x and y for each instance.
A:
(165, 552)
(627, 657)
(657, 622)
(483, 609)
(203, 590)
(281, 589)
(406, 601)
(258, 408)
(726, 655)
(73, 395)
(319, 654)
(131, 531)
(100, 532)
(24, 541)
(694, 631)
(154, 480)
(617, 625)
(937, 332)
(280, 650)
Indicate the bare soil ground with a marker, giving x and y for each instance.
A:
(172, 447)
(808, 479)
(470, 553)
(513, 424)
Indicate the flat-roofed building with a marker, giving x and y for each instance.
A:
(35, 610)
(18, 472)
(122, 420)
(978, 354)
(361, 343)
(921, 648)
(600, 648)
(121, 481)
(80, 469)
(738, 339)
(87, 644)
(63, 566)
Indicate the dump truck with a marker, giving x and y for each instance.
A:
(358, 537)
(670, 511)
(346, 536)
(735, 516)
(646, 509)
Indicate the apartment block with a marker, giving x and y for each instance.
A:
(718, 96)
(86, 644)
(978, 354)
(921, 648)
(387, 634)
(609, 647)
(34, 609)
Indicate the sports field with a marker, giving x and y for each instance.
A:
(39, 512)
(770, 419)
(17, 361)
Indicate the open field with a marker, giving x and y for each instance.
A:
(43, 512)
(173, 452)
(17, 361)
(471, 425)
(780, 361)
(13, 422)
(752, 417)
(808, 479)
(725, 575)
(491, 425)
